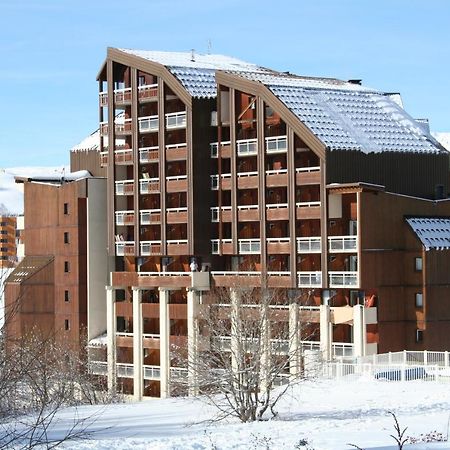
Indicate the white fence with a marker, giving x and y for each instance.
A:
(409, 358)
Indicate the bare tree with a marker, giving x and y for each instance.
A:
(247, 350)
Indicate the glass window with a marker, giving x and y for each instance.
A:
(419, 300)
(66, 296)
(418, 264)
(66, 325)
(419, 335)
(66, 208)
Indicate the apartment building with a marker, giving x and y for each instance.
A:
(8, 254)
(63, 275)
(222, 173)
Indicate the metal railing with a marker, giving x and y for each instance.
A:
(214, 146)
(148, 91)
(148, 123)
(247, 147)
(124, 218)
(122, 95)
(176, 120)
(150, 248)
(148, 154)
(276, 144)
(148, 185)
(307, 204)
(125, 248)
(342, 244)
(309, 279)
(307, 169)
(124, 187)
(149, 216)
(309, 245)
(151, 372)
(122, 126)
(276, 172)
(249, 246)
(125, 370)
(103, 98)
(215, 180)
(343, 279)
(98, 367)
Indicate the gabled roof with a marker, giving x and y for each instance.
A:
(28, 267)
(433, 233)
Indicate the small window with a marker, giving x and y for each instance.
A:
(419, 335)
(66, 237)
(418, 264)
(141, 81)
(419, 300)
(66, 296)
(66, 325)
(66, 208)
(66, 266)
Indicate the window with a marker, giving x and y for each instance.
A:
(66, 325)
(66, 208)
(66, 296)
(356, 298)
(66, 237)
(66, 266)
(141, 80)
(419, 300)
(327, 296)
(419, 335)
(418, 264)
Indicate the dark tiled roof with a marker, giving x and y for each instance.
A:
(434, 233)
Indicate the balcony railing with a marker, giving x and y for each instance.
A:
(343, 244)
(244, 207)
(278, 240)
(215, 245)
(214, 146)
(103, 98)
(124, 218)
(150, 216)
(98, 367)
(177, 241)
(104, 158)
(125, 370)
(122, 95)
(215, 180)
(124, 126)
(249, 246)
(246, 147)
(177, 210)
(150, 248)
(276, 205)
(307, 169)
(103, 128)
(151, 372)
(309, 279)
(276, 172)
(125, 248)
(125, 187)
(123, 156)
(149, 154)
(247, 174)
(148, 185)
(276, 144)
(148, 124)
(176, 178)
(307, 204)
(148, 91)
(176, 120)
(309, 245)
(343, 279)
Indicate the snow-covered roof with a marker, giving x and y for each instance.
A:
(56, 178)
(92, 142)
(434, 233)
(443, 139)
(99, 341)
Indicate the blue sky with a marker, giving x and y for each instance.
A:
(51, 51)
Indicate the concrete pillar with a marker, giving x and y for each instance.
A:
(111, 338)
(359, 331)
(138, 378)
(294, 339)
(164, 342)
(326, 336)
(235, 346)
(193, 299)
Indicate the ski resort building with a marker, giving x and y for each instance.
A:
(222, 173)
(8, 252)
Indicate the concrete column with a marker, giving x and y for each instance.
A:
(359, 331)
(235, 346)
(164, 342)
(193, 299)
(326, 337)
(111, 338)
(294, 339)
(138, 379)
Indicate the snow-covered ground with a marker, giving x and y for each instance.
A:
(11, 193)
(328, 414)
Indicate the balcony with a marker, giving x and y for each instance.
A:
(278, 245)
(308, 210)
(124, 218)
(225, 149)
(247, 180)
(125, 248)
(309, 279)
(148, 124)
(176, 120)
(226, 214)
(227, 246)
(198, 280)
(249, 246)
(122, 96)
(148, 92)
(276, 144)
(177, 247)
(104, 158)
(149, 185)
(123, 156)
(177, 215)
(150, 216)
(247, 147)
(225, 182)
(103, 98)
(151, 248)
(309, 245)
(125, 370)
(276, 178)
(237, 278)
(248, 213)
(343, 279)
(343, 244)
(177, 183)
(104, 128)
(125, 187)
(176, 152)
(151, 372)
(98, 367)
(149, 154)
(123, 126)
(307, 175)
(277, 211)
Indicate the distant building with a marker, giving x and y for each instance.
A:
(8, 253)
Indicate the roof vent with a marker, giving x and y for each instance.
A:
(193, 55)
(356, 81)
